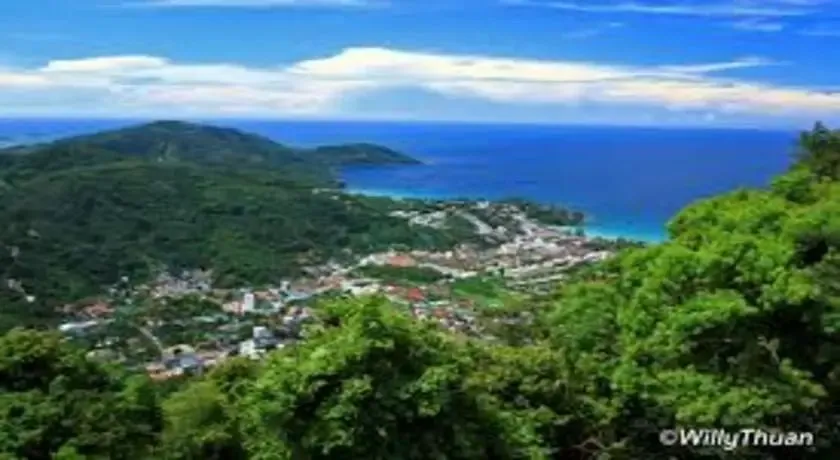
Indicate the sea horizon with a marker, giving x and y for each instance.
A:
(83, 121)
(629, 180)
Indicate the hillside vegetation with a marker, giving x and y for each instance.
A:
(207, 145)
(733, 324)
(78, 214)
(358, 154)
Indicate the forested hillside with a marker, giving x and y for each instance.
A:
(732, 324)
(78, 214)
(358, 154)
(69, 234)
(202, 144)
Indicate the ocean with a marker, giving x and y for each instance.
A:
(629, 181)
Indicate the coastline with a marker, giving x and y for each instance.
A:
(591, 230)
(395, 194)
(611, 233)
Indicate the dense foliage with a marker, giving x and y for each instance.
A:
(208, 145)
(379, 385)
(78, 214)
(54, 400)
(731, 324)
(67, 234)
(358, 154)
(174, 140)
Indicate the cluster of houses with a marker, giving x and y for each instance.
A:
(281, 320)
(525, 260)
(184, 359)
(275, 315)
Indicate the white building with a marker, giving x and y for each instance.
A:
(248, 303)
(259, 331)
(261, 342)
(248, 349)
(77, 327)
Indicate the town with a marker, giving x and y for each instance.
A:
(181, 323)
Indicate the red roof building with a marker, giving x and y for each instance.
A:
(415, 295)
(98, 310)
(401, 261)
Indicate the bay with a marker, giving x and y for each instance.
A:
(628, 180)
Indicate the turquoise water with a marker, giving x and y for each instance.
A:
(629, 181)
(603, 231)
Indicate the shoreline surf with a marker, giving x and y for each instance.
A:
(591, 230)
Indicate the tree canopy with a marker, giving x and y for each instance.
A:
(53, 399)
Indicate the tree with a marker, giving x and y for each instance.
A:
(200, 424)
(54, 400)
(533, 384)
(820, 151)
(378, 385)
(731, 324)
(203, 420)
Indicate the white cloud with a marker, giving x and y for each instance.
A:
(734, 8)
(104, 65)
(758, 25)
(742, 63)
(150, 85)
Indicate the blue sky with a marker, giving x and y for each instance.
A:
(713, 62)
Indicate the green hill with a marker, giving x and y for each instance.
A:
(359, 154)
(52, 158)
(197, 143)
(72, 232)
